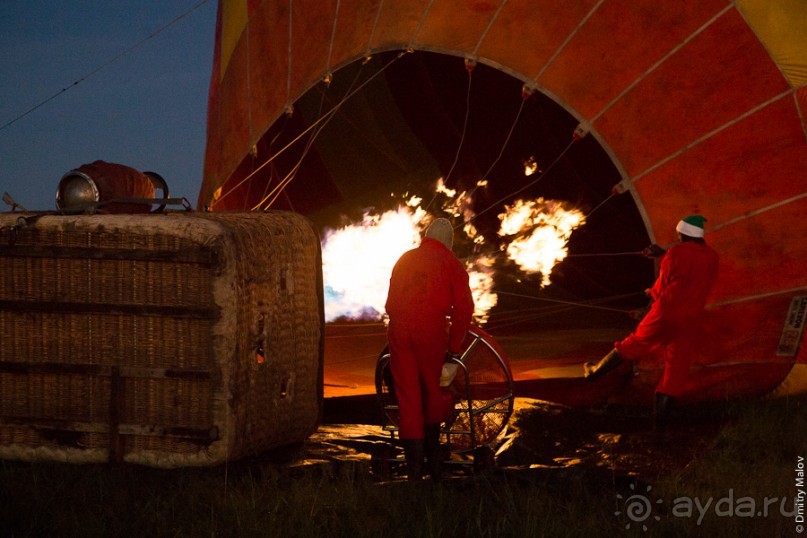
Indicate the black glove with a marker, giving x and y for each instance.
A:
(653, 251)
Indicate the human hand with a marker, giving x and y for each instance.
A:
(653, 251)
(448, 373)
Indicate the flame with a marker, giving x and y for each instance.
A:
(540, 230)
(530, 166)
(358, 258)
(357, 261)
(480, 278)
(442, 189)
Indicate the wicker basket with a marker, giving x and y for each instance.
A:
(165, 340)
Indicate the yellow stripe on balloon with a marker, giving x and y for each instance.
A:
(782, 27)
(234, 19)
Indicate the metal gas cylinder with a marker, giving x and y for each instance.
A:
(109, 188)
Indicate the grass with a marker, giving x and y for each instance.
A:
(753, 454)
(51, 500)
(752, 463)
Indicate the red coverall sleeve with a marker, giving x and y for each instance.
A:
(667, 289)
(462, 307)
(685, 278)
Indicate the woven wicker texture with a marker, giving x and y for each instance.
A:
(164, 340)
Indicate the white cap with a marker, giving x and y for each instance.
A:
(442, 231)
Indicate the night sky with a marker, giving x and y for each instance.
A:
(146, 109)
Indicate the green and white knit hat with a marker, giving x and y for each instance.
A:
(691, 226)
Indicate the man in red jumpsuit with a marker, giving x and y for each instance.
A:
(688, 271)
(428, 286)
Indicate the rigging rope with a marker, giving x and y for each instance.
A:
(373, 29)
(600, 205)
(666, 57)
(530, 184)
(104, 65)
(280, 188)
(507, 138)
(465, 122)
(293, 173)
(272, 169)
(577, 304)
(568, 40)
(558, 307)
(487, 28)
(756, 212)
(421, 22)
(324, 117)
(589, 254)
(290, 57)
(333, 37)
(524, 96)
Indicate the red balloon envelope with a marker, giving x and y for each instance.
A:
(699, 103)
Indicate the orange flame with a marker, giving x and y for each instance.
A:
(540, 230)
(357, 261)
(358, 258)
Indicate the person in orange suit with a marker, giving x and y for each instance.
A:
(688, 271)
(430, 307)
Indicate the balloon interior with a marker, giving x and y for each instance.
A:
(358, 257)
(633, 116)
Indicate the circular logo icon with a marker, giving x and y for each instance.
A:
(638, 507)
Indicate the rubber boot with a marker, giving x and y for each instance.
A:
(592, 371)
(661, 410)
(413, 453)
(434, 456)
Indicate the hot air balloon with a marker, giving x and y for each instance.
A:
(645, 111)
